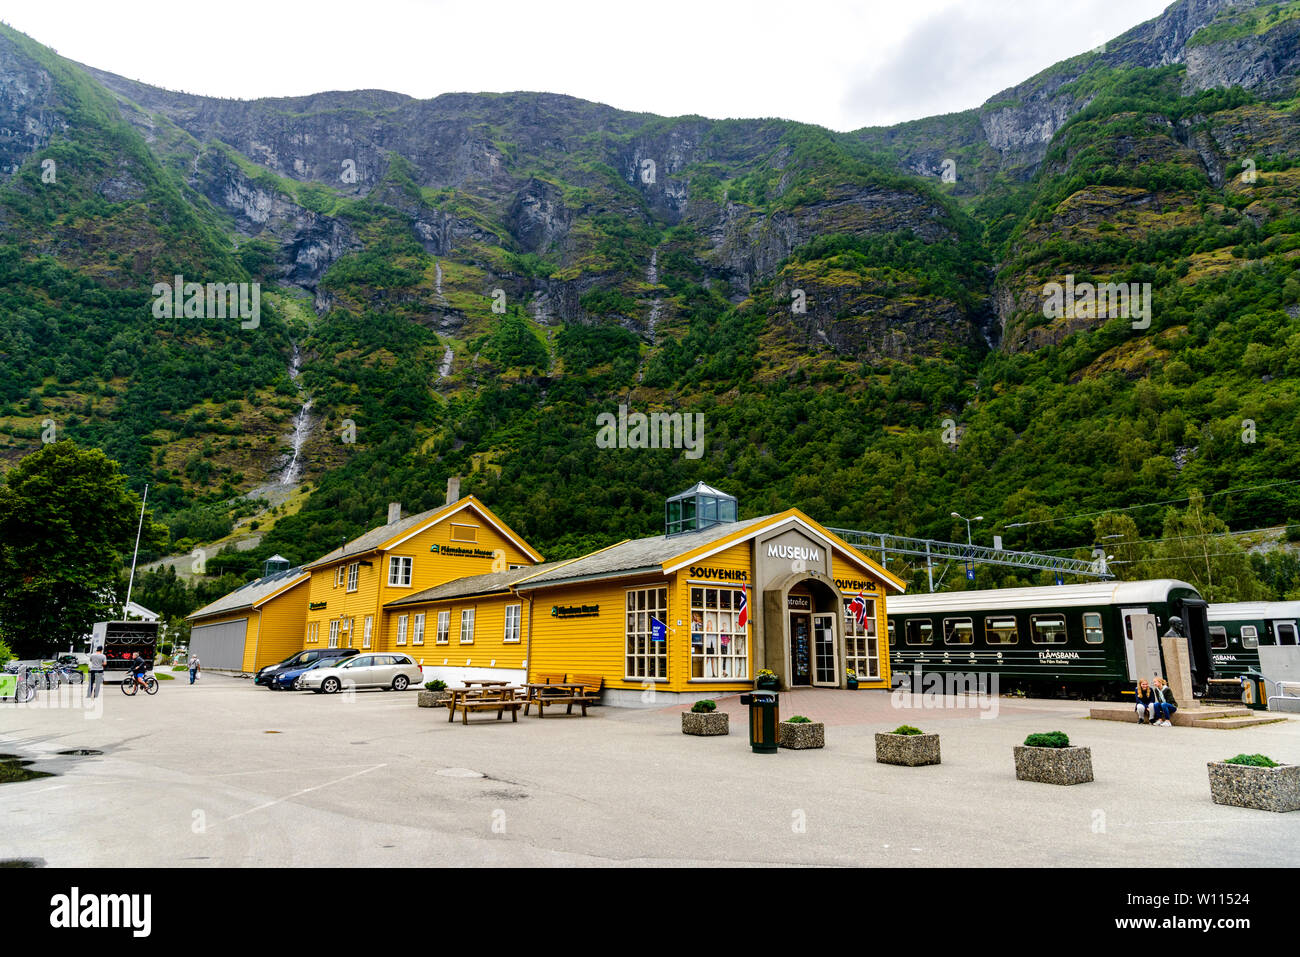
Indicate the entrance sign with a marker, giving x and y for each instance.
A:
(798, 603)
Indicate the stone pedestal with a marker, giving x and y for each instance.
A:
(1178, 670)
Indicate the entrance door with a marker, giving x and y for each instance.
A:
(800, 650)
(824, 650)
(1134, 665)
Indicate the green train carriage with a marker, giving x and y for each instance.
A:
(1068, 640)
(1237, 629)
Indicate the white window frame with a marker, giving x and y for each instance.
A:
(354, 574)
(417, 629)
(334, 633)
(1088, 630)
(1251, 640)
(401, 629)
(990, 628)
(473, 533)
(395, 564)
(444, 627)
(338, 577)
(368, 628)
(639, 651)
(862, 645)
(467, 626)
(514, 615)
(726, 656)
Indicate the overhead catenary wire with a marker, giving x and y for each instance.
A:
(1170, 501)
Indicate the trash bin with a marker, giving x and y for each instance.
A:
(764, 720)
(1253, 692)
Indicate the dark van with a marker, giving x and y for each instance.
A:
(300, 659)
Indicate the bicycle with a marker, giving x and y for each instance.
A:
(130, 685)
(24, 689)
(70, 674)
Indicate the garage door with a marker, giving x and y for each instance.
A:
(220, 646)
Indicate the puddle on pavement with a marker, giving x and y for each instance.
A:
(81, 752)
(273, 732)
(14, 769)
(22, 862)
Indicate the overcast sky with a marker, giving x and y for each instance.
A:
(841, 64)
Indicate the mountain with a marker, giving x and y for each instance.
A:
(460, 285)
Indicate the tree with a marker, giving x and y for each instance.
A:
(1195, 547)
(66, 517)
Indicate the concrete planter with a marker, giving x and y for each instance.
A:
(1054, 765)
(909, 750)
(1264, 789)
(801, 735)
(433, 699)
(706, 723)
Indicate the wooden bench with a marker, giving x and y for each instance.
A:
(542, 701)
(500, 704)
(591, 685)
(548, 679)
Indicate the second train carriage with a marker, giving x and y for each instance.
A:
(1237, 629)
(1064, 639)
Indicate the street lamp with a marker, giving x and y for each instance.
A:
(977, 518)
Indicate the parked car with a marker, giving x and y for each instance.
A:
(395, 671)
(290, 678)
(297, 660)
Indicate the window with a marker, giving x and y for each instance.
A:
(1092, 628)
(338, 577)
(861, 646)
(401, 629)
(1249, 636)
(417, 635)
(369, 628)
(354, 572)
(1218, 637)
(719, 648)
(514, 566)
(918, 632)
(1001, 631)
(464, 533)
(467, 626)
(1047, 629)
(645, 657)
(399, 571)
(893, 638)
(313, 632)
(512, 623)
(334, 633)
(958, 631)
(444, 627)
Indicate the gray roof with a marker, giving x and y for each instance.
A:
(473, 585)
(375, 537)
(636, 554)
(245, 596)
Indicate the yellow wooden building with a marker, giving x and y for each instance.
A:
(255, 625)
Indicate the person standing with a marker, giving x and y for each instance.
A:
(1165, 705)
(194, 667)
(96, 674)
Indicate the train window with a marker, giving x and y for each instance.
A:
(1092, 628)
(893, 638)
(1286, 634)
(958, 631)
(919, 632)
(1001, 631)
(1249, 636)
(1047, 629)
(1218, 637)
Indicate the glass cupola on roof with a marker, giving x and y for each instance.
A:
(700, 506)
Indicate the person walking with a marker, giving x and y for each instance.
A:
(1146, 702)
(194, 667)
(96, 675)
(1165, 705)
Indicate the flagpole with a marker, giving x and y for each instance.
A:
(138, 528)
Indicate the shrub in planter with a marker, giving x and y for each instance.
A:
(767, 680)
(435, 694)
(1049, 758)
(851, 679)
(1255, 781)
(908, 746)
(705, 719)
(799, 733)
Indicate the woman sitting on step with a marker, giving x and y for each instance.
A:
(1165, 705)
(1146, 702)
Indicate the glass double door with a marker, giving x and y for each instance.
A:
(812, 651)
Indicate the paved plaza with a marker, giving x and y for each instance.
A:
(223, 773)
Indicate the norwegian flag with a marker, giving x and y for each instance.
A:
(859, 608)
(743, 618)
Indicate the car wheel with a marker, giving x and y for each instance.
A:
(297, 683)
(400, 683)
(330, 685)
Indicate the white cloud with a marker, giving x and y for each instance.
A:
(833, 62)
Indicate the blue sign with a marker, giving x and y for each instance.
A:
(1060, 580)
(970, 574)
(658, 630)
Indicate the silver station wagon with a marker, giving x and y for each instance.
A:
(394, 671)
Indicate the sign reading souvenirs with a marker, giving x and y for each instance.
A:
(853, 584)
(575, 611)
(316, 605)
(457, 551)
(798, 603)
(719, 574)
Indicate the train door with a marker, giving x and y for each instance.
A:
(1130, 652)
(1286, 632)
(1142, 645)
(1196, 626)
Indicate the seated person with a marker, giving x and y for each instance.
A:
(1165, 704)
(1146, 702)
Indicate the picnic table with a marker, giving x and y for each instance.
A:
(556, 692)
(498, 695)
